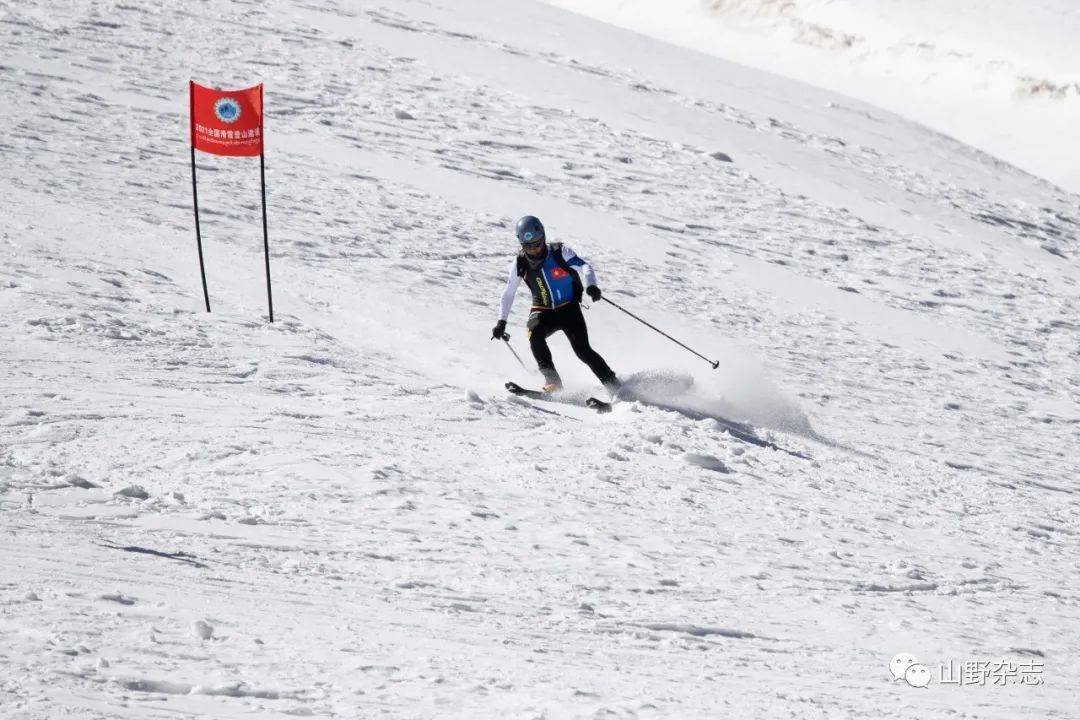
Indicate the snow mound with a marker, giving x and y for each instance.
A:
(948, 65)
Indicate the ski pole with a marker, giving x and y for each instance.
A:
(506, 339)
(715, 364)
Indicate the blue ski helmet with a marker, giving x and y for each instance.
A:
(529, 230)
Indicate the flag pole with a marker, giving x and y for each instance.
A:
(262, 181)
(195, 196)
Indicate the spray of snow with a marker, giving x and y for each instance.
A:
(658, 372)
(737, 393)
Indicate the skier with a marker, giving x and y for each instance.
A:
(556, 302)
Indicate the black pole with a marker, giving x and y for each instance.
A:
(266, 238)
(506, 339)
(195, 197)
(262, 181)
(715, 364)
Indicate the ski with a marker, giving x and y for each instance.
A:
(593, 403)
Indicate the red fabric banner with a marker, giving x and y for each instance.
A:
(227, 122)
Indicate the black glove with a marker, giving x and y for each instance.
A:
(499, 330)
(593, 292)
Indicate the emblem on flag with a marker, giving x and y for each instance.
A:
(227, 110)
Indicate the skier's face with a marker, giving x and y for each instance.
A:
(535, 249)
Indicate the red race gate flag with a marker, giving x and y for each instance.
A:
(227, 122)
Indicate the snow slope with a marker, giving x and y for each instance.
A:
(1000, 75)
(344, 515)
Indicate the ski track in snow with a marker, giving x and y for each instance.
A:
(343, 515)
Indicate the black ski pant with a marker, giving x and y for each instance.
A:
(568, 318)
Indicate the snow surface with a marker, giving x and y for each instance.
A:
(343, 514)
(1001, 75)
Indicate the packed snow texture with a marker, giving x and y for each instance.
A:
(1001, 75)
(344, 514)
